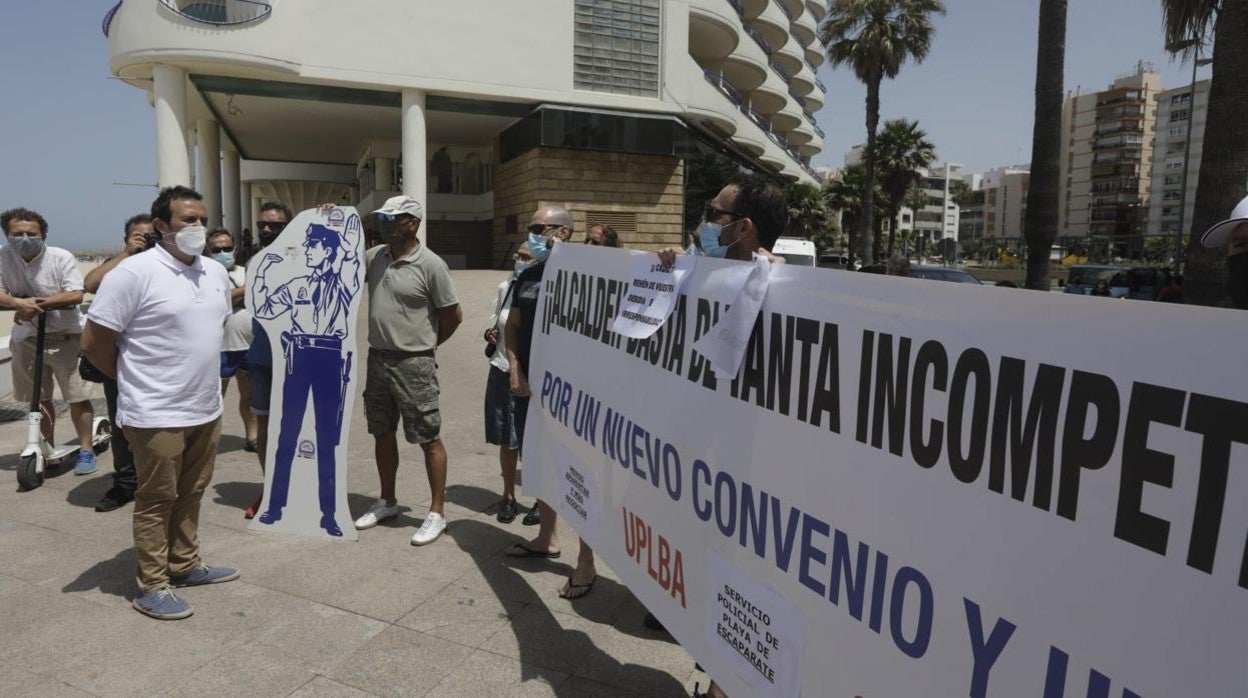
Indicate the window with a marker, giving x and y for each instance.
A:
(616, 46)
(1171, 196)
(1181, 99)
(1179, 115)
(1178, 131)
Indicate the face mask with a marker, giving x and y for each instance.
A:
(267, 239)
(708, 237)
(191, 240)
(1237, 279)
(539, 247)
(27, 247)
(225, 258)
(521, 266)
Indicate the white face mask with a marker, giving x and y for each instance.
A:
(191, 240)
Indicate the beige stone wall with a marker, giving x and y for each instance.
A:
(650, 188)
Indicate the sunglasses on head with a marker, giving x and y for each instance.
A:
(275, 226)
(541, 228)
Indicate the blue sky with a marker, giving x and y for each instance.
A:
(69, 131)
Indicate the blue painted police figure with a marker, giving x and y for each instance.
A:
(315, 364)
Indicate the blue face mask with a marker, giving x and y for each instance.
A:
(225, 258)
(26, 247)
(539, 247)
(521, 266)
(708, 239)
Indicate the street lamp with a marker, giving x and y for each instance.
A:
(1175, 47)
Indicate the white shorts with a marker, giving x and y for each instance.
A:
(60, 360)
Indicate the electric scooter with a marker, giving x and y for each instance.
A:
(39, 454)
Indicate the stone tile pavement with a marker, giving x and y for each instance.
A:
(319, 617)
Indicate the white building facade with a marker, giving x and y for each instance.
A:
(1179, 118)
(501, 105)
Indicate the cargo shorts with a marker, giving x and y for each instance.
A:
(402, 385)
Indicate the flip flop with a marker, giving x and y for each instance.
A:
(570, 596)
(523, 550)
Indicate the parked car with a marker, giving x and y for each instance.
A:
(1140, 283)
(796, 251)
(926, 271)
(836, 260)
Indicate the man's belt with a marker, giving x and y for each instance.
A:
(312, 341)
(395, 354)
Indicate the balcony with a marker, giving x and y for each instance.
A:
(219, 13)
(769, 97)
(814, 57)
(709, 109)
(792, 8)
(746, 66)
(814, 101)
(804, 29)
(803, 81)
(818, 8)
(789, 55)
(713, 31)
(814, 125)
(771, 23)
(788, 118)
(811, 148)
(801, 135)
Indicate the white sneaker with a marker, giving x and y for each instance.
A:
(429, 531)
(380, 511)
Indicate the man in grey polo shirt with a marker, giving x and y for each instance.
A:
(411, 310)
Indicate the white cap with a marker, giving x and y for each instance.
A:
(396, 205)
(1220, 233)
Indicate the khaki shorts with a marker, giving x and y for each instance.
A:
(406, 386)
(60, 359)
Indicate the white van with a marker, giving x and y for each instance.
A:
(795, 251)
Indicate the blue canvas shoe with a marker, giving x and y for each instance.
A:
(163, 604)
(86, 463)
(205, 575)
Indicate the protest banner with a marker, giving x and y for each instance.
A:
(911, 488)
(304, 290)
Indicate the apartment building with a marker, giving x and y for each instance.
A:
(1107, 154)
(1005, 202)
(482, 111)
(1180, 118)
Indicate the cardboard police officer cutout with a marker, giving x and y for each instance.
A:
(304, 289)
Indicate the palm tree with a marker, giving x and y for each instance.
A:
(1040, 226)
(1224, 162)
(808, 213)
(915, 199)
(900, 151)
(846, 195)
(875, 38)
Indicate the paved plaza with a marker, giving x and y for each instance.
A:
(320, 617)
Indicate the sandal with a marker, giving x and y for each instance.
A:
(523, 550)
(570, 594)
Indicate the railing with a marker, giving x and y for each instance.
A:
(738, 6)
(759, 39)
(776, 67)
(220, 13)
(821, 86)
(787, 12)
(108, 17)
(813, 124)
(801, 101)
(725, 87)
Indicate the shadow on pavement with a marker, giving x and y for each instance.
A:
(501, 575)
(88, 492)
(115, 576)
(230, 443)
(237, 494)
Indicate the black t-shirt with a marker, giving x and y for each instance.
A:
(525, 292)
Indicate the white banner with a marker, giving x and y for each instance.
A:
(911, 488)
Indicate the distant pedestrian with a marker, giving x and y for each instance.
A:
(139, 236)
(412, 310)
(1100, 289)
(602, 236)
(238, 334)
(36, 279)
(500, 404)
(1232, 234)
(156, 325)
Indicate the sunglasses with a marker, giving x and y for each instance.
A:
(215, 250)
(711, 213)
(541, 228)
(392, 217)
(275, 226)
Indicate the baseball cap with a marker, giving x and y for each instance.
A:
(1218, 234)
(397, 205)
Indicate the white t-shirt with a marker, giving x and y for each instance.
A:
(170, 317)
(502, 305)
(238, 325)
(53, 271)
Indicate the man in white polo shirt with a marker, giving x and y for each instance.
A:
(157, 324)
(36, 279)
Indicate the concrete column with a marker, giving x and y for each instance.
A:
(209, 168)
(173, 166)
(415, 159)
(383, 169)
(231, 217)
